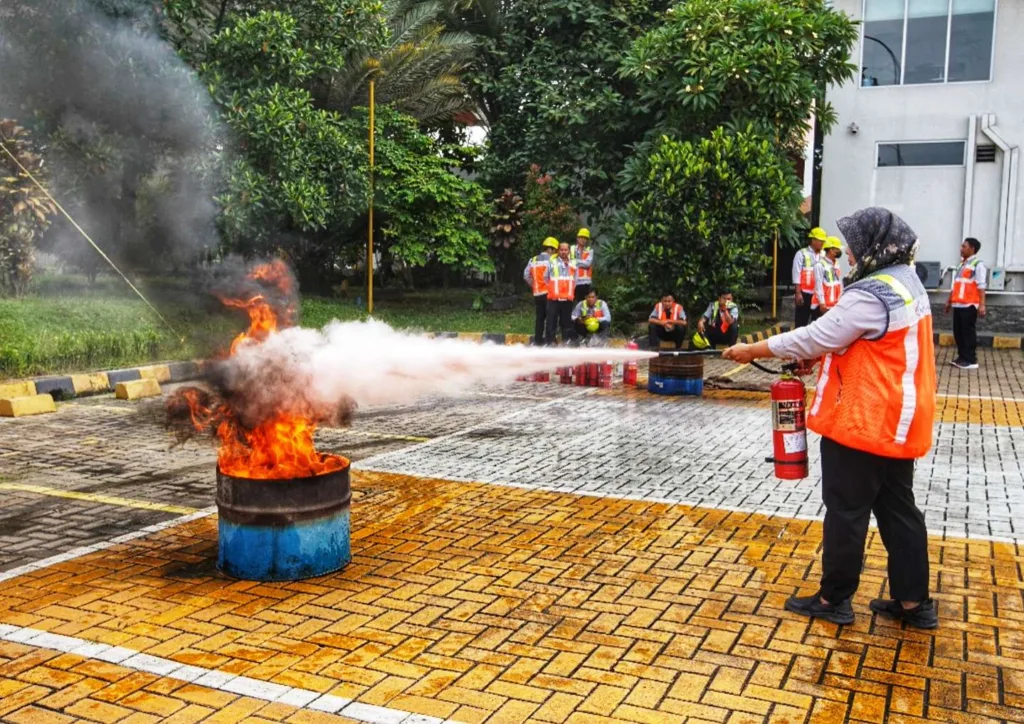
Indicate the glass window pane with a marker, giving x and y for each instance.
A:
(925, 60)
(939, 153)
(883, 42)
(970, 40)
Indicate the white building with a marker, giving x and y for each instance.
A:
(931, 125)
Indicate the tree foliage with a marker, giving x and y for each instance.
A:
(707, 209)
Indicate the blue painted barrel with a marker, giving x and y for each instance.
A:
(659, 385)
(283, 530)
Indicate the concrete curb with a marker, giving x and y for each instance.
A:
(985, 339)
(67, 387)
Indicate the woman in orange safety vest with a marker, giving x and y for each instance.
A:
(874, 407)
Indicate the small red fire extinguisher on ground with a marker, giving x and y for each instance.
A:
(789, 428)
(629, 367)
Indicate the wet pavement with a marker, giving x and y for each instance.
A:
(536, 552)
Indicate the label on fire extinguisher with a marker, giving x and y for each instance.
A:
(794, 442)
(787, 415)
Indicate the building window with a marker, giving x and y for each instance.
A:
(923, 153)
(913, 42)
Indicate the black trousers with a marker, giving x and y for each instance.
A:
(804, 314)
(540, 303)
(584, 335)
(582, 290)
(854, 485)
(560, 316)
(965, 332)
(656, 333)
(716, 336)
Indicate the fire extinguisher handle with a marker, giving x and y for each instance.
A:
(770, 459)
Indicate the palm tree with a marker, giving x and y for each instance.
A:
(418, 72)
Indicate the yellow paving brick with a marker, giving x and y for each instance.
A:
(513, 712)
(140, 718)
(189, 715)
(424, 706)
(204, 696)
(558, 708)
(145, 701)
(236, 711)
(36, 715)
(98, 710)
(28, 695)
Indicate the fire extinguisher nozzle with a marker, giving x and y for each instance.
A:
(770, 460)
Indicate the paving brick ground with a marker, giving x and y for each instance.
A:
(590, 570)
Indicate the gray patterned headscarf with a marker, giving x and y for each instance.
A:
(877, 238)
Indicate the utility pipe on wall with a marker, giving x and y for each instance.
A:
(1008, 188)
(972, 148)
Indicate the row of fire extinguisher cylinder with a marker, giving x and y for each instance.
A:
(589, 375)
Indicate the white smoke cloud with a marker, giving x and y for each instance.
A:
(316, 372)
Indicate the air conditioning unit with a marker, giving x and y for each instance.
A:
(929, 272)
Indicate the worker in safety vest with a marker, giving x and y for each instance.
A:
(535, 275)
(592, 318)
(667, 322)
(583, 256)
(828, 279)
(561, 284)
(803, 276)
(874, 407)
(720, 323)
(967, 299)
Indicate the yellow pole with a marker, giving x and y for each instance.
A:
(775, 277)
(369, 250)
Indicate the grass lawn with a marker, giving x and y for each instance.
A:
(70, 326)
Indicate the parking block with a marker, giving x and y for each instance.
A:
(137, 389)
(17, 388)
(24, 406)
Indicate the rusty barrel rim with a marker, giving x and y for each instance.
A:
(279, 502)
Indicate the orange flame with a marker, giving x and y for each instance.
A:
(280, 447)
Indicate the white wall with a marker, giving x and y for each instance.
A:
(930, 199)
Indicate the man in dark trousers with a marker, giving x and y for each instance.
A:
(561, 284)
(535, 274)
(874, 407)
(967, 300)
(667, 322)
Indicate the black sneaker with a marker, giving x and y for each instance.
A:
(924, 615)
(812, 606)
(955, 362)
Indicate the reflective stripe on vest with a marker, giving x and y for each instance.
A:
(584, 274)
(965, 283)
(878, 395)
(598, 310)
(831, 287)
(807, 271)
(714, 313)
(561, 284)
(538, 270)
(662, 315)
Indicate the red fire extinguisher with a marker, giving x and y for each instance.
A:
(629, 368)
(789, 428)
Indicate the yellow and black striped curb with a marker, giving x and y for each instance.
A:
(763, 334)
(66, 387)
(995, 341)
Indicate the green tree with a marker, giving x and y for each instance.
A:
(714, 63)
(546, 213)
(24, 209)
(707, 209)
(547, 80)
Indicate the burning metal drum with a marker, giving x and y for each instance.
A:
(283, 530)
(674, 374)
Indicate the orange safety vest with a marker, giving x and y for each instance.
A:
(676, 312)
(807, 271)
(965, 283)
(722, 324)
(538, 271)
(831, 287)
(584, 274)
(878, 396)
(561, 280)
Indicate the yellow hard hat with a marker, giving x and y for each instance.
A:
(818, 233)
(550, 242)
(592, 324)
(700, 341)
(585, 233)
(832, 242)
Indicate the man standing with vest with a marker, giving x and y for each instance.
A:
(828, 280)
(803, 276)
(967, 298)
(535, 275)
(720, 324)
(582, 255)
(592, 317)
(561, 284)
(874, 407)
(667, 322)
